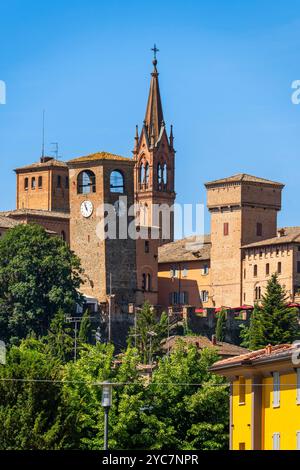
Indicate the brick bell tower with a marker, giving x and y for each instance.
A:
(154, 171)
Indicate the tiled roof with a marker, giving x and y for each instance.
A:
(288, 235)
(253, 357)
(223, 349)
(43, 165)
(187, 249)
(243, 177)
(42, 213)
(6, 222)
(99, 156)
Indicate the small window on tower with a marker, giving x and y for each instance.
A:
(267, 269)
(33, 183)
(86, 182)
(116, 182)
(40, 182)
(259, 230)
(58, 181)
(26, 184)
(67, 182)
(279, 268)
(226, 229)
(147, 246)
(255, 270)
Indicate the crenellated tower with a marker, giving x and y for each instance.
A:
(154, 155)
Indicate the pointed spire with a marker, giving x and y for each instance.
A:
(171, 137)
(154, 113)
(136, 140)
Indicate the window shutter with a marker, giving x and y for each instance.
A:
(276, 389)
(276, 441)
(298, 440)
(298, 387)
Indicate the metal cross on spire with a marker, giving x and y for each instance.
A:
(155, 50)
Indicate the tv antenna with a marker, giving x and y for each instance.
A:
(55, 150)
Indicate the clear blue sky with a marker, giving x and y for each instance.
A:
(226, 69)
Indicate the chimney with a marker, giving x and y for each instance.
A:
(269, 349)
(214, 340)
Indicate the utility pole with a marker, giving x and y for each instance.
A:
(109, 308)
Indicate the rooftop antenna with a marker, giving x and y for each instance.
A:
(55, 151)
(43, 140)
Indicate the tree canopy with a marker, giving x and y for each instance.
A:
(39, 274)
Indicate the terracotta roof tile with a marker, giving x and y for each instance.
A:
(43, 165)
(243, 177)
(288, 235)
(42, 213)
(187, 249)
(223, 349)
(255, 356)
(99, 156)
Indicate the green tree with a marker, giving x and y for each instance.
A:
(85, 328)
(38, 275)
(59, 340)
(30, 399)
(272, 322)
(221, 325)
(149, 332)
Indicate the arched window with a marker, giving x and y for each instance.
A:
(142, 174)
(165, 174)
(26, 184)
(148, 283)
(116, 182)
(86, 182)
(159, 174)
(144, 281)
(33, 183)
(40, 182)
(147, 173)
(144, 214)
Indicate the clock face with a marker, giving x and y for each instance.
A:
(86, 208)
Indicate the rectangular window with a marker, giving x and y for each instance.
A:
(276, 441)
(173, 272)
(226, 229)
(185, 272)
(58, 181)
(26, 184)
(279, 268)
(267, 269)
(276, 390)
(255, 270)
(147, 246)
(67, 182)
(204, 295)
(33, 183)
(242, 390)
(298, 387)
(298, 267)
(259, 230)
(205, 270)
(40, 182)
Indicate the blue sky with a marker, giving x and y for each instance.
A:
(226, 69)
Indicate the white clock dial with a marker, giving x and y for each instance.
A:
(86, 208)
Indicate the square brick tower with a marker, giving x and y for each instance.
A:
(243, 210)
(43, 185)
(96, 180)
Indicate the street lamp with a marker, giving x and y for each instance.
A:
(106, 403)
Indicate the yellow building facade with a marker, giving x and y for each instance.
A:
(264, 398)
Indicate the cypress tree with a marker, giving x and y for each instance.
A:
(221, 325)
(85, 328)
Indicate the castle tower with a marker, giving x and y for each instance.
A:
(243, 210)
(154, 157)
